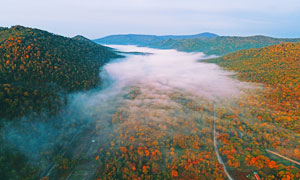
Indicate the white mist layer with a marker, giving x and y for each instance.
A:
(170, 70)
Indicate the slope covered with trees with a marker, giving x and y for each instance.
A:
(277, 67)
(268, 120)
(144, 40)
(220, 45)
(38, 68)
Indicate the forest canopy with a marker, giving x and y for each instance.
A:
(277, 67)
(38, 68)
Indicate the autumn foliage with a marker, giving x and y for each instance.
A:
(277, 67)
(37, 69)
(265, 118)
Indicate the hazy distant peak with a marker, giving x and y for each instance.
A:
(141, 39)
(204, 34)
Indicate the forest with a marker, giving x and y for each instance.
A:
(277, 67)
(38, 70)
(267, 120)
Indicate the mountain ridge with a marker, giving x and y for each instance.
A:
(141, 39)
(39, 66)
(208, 43)
(220, 45)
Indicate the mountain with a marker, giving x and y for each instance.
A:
(220, 45)
(82, 38)
(273, 111)
(210, 44)
(277, 67)
(38, 69)
(144, 40)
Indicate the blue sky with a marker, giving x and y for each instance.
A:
(98, 18)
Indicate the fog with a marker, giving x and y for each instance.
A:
(144, 86)
(170, 69)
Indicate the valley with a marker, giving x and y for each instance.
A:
(150, 125)
(73, 109)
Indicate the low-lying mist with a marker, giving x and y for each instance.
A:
(170, 69)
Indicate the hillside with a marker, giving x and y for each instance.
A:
(273, 113)
(38, 68)
(220, 45)
(277, 67)
(144, 40)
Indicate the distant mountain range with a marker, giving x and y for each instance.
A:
(138, 39)
(208, 43)
(220, 45)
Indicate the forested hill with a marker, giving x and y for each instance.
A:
(273, 112)
(277, 67)
(38, 68)
(144, 40)
(220, 45)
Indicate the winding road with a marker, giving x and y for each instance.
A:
(216, 145)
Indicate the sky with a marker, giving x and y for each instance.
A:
(99, 18)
